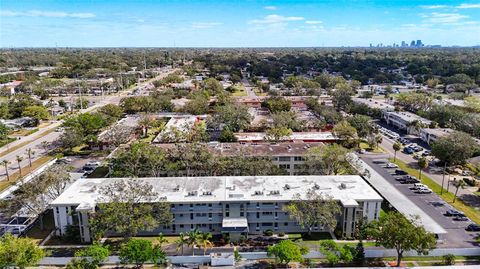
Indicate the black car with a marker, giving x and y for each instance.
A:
(400, 172)
(454, 213)
(460, 218)
(473, 228)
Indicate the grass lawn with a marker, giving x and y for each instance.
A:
(259, 93)
(99, 172)
(366, 147)
(152, 133)
(239, 90)
(7, 141)
(469, 211)
(14, 177)
(24, 132)
(313, 238)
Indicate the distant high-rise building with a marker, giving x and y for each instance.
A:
(419, 43)
(404, 44)
(412, 44)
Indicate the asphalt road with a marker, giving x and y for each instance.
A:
(432, 205)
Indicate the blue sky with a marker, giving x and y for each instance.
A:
(190, 23)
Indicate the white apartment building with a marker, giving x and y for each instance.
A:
(429, 135)
(233, 205)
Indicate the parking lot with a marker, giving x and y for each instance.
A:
(431, 204)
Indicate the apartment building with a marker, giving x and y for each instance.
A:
(233, 205)
(429, 135)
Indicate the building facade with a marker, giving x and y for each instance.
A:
(233, 205)
(404, 121)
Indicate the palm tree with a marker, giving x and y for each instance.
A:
(161, 240)
(396, 147)
(422, 164)
(182, 241)
(458, 184)
(19, 160)
(5, 163)
(204, 241)
(193, 239)
(30, 152)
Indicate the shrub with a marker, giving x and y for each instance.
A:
(268, 233)
(449, 259)
(281, 234)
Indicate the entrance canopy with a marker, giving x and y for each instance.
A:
(239, 225)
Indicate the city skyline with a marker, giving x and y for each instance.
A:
(237, 24)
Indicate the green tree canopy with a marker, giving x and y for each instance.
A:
(287, 251)
(19, 252)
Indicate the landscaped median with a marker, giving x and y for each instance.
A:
(14, 177)
(469, 211)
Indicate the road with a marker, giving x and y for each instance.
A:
(387, 145)
(248, 88)
(36, 140)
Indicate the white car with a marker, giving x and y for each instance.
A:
(391, 165)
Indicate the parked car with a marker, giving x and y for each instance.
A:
(453, 213)
(417, 186)
(423, 190)
(92, 164)
(391, 165)
(400, 172)
(460, 218)
(408, 150)
(473, 227)
(64, 160)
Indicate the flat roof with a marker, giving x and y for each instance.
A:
(343, 188)
(438, 132)
(296, 136)
(409, 117)
(374, 103)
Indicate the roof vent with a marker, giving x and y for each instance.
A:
(207, 193)
(192, 193)
(177, 188)
(286, 187)
(274, 192)
(343, 186)
(258, 193)
(316, 186)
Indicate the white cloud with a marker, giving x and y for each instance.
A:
(313, 22)
(270, 7)
(274, 19)
(434, 6)
(467, 6)
(50, 14)
(444, 18)
(205, 25)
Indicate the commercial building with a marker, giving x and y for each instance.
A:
(307, 137)
(404, 120)
(429, 135)
(233, 205)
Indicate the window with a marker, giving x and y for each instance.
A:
(182, 226)
(227, 214)
(209, 205)
(267, 204)
(285, 224)
(284, 166)
(267, 213)
(241, 214)
(298, 158)
(258, 215)
(267, 224)
(284, 159)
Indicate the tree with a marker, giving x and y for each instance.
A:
(235, 117)
(86, 123)
(5, 164)
(136, 251)
(335, 253)
(287, 251)
(341, 97)
(21, 252)
(396, 147)
(182, 241)
(346, 133)
(458, 184)
(30, 152)
(90, 257)
(193, 239)
(19, 160)
(71, 138)
(422, 164)
(362, 125)
(204, 240)
(227, 135)
(454, 148)
(393, 230)
(127, 207)
(198, 104)
(35, 196)
(112, 111)
(38, 113)
(328, 159)
(277, 134)
(313, 209)
(277, 104)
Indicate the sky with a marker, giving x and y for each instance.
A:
(190, 23)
